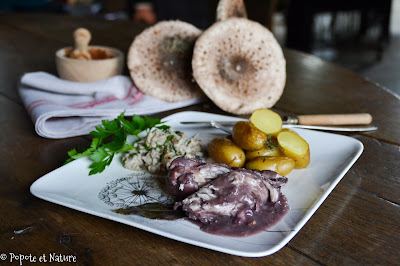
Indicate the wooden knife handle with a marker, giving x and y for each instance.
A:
(335, 119)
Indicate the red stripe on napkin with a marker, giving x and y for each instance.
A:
(132, 97)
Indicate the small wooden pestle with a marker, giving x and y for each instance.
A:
(82, 38)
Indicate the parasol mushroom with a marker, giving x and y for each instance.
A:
(231, 8)
(159, 61)
(239, 65)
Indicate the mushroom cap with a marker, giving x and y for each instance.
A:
(231, 8)
(159, 61)
(239, 65)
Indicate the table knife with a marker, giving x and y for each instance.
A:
(329, 122)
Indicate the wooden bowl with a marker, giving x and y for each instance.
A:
(105, 63)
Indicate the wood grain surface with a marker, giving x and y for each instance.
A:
(357, 224)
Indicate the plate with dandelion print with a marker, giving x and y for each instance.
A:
(117, 188)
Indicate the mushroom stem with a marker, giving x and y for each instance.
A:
(231, 8)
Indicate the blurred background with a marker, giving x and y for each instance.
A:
(363, 36)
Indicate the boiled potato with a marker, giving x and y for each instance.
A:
(247, 136)
(303, 161)
(265, 151)
(267, 121)
(288, 130)
(223, 150)
(292, 145)
(281, 165)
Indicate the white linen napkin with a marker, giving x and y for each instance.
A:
(61, 109)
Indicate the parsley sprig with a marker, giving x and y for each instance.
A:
(111, 138)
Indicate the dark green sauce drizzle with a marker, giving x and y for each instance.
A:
(153, 210)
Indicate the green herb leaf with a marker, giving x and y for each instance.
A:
(271, 144)
(97, 167)
(169, 138)
(164, 128)
(151, 122)
(99, 155)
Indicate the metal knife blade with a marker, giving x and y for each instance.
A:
(324, 128)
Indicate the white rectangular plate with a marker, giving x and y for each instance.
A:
(70, 186)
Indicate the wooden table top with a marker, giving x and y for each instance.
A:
(357, 224)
